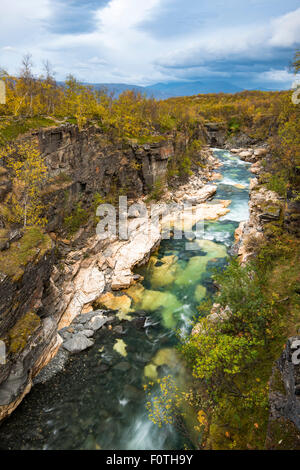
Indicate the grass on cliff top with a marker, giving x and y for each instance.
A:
(33, 244)
(12, 129)
(147, 139)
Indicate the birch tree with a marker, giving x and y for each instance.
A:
(29, 170)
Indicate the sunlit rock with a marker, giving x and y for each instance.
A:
(260, 152)
(88, 285)
(113, 302)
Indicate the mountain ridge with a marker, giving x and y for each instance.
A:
(171, 89)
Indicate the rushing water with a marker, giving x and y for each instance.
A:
(98, 401)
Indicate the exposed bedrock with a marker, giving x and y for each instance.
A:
(94, 162)
(62, 277)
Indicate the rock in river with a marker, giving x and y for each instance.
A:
(78, 343)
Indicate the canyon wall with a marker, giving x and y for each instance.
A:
(44, 276)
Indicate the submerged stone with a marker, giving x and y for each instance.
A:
(165, 356)
(150, 371)
(136, 292)
(164, 273)
(120, 347)
(200, 293)
(153, 300)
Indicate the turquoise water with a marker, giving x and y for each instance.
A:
(98, 401)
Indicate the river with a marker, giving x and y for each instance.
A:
(98, 401)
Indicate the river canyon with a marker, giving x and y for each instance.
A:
(97, 400)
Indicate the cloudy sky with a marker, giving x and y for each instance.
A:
(247, 42)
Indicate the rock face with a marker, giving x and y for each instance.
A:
(86, 286)
(265, 206)
(239, 140)
(91, 161)
(19, 295)
(30, 339)
(81, 163)
(154, 160)
(216, 134)
(292, 216)
(285, 399)
(49, 294)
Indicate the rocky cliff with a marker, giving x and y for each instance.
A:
(45, 281)
(94, 162)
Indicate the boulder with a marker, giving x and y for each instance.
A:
(260, 152)
(246, 155)
(88, 333)
(78, 343)
(122, 280)
(255, 168)
(97, 322)
(253, 183)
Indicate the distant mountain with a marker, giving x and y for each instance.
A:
(116, 88)
(171, 89)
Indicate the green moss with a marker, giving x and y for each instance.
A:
(273, 230)
(76, 219)
(277, 183)
(21, 332)
(14, 128)
(33, 243)
(272, 208)
(72, 120)
(295, 216)
(3, 234)
(234, 126)
(149, 139)
(156, 192)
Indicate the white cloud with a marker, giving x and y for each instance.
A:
(120, 49)
(286, 30)
(251, 41)
(119, 15)
(96, 60)
(274, 75)
(9, 49)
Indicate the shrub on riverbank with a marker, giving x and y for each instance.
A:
(233, 358)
